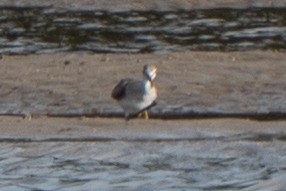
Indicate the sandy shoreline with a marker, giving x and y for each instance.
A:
(204, 82)
(47, 129)
(79, 83)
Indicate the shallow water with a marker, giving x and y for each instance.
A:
(29, 30)
(195, 164)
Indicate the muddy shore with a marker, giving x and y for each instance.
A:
(189, 83)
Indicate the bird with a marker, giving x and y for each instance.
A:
(136, 96)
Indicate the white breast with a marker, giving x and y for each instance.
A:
(151, 93)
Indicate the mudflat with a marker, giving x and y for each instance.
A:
(80, 83)
(34, 87)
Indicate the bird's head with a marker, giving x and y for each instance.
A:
(149, 72)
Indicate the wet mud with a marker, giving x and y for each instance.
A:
(190, 85)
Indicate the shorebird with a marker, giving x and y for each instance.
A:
(137, 96)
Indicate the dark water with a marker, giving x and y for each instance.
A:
(28, 30)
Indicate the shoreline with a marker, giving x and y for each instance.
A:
(200, 84)
(85, 129)
(82, 86)
(272, 116)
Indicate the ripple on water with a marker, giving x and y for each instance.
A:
(196, 165)
(117, 32)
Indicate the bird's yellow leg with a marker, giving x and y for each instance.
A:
(146, 116)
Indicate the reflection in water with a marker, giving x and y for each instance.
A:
(47, 30)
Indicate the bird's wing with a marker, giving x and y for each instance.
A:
(135, 89)
(119, 90)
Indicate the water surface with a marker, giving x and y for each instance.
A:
(28, 30)
(234, 163)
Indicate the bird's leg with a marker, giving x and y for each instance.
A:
(145, 114)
